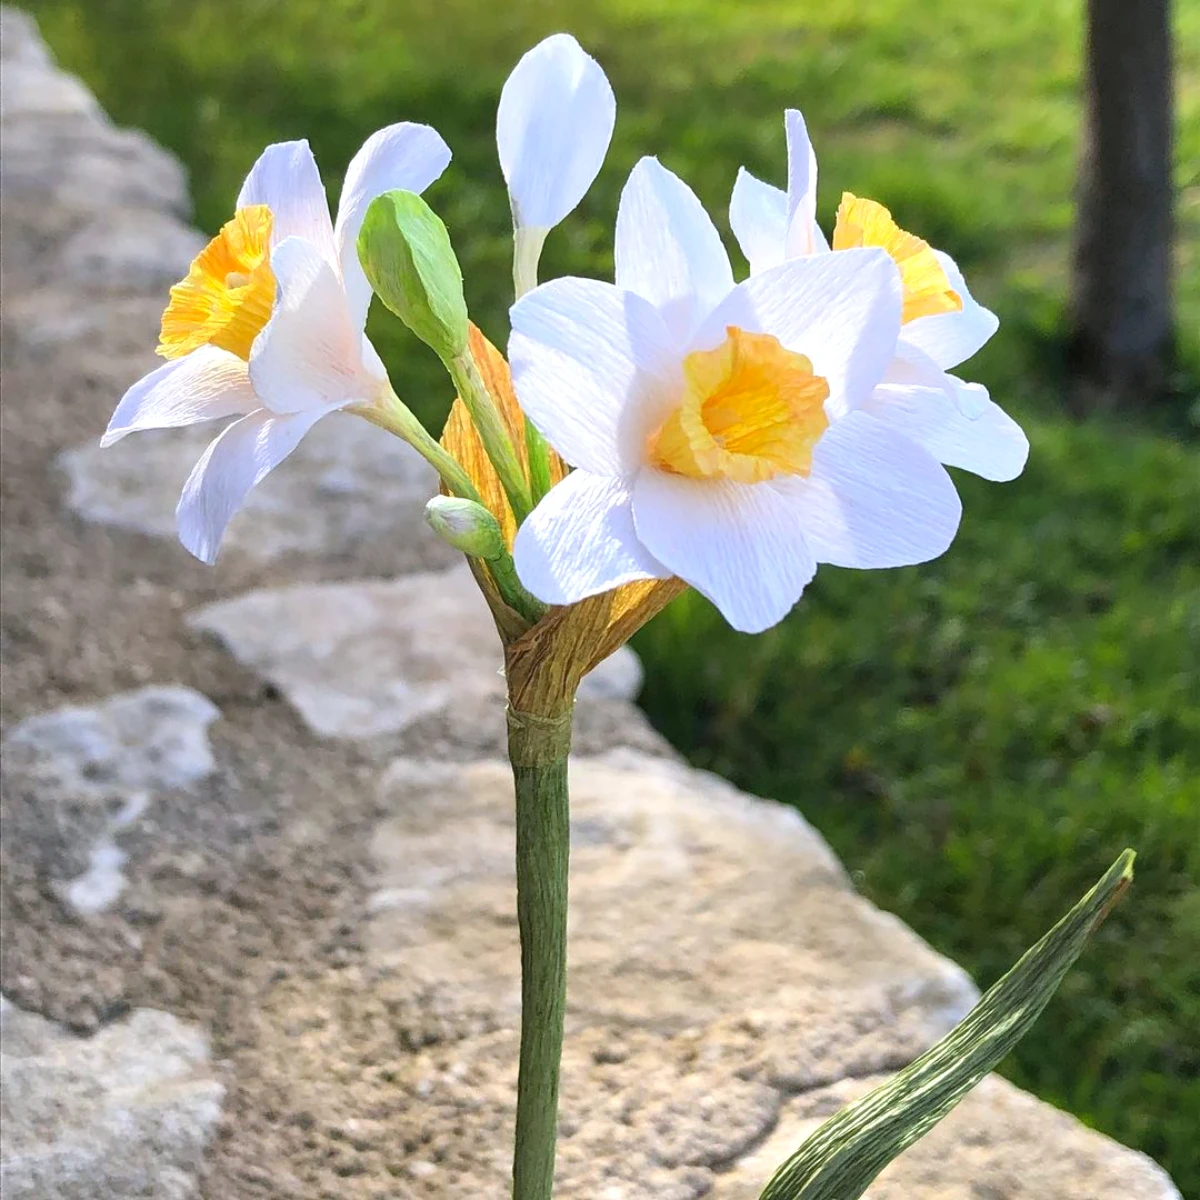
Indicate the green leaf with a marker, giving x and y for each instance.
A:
(408, 259)
(841, 1159)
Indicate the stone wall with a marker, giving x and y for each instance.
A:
(258, 930)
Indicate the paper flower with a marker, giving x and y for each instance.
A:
(943, 325)
(717, 430)
(268, 325)
(553, 127)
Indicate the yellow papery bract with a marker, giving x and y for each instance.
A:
(927, 289)
(544, 662)
(462, 440)
(752, 410)
(229, 291)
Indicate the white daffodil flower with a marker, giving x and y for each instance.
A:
(717, 430)
(943, 325)
(553, 127)
(268, 325)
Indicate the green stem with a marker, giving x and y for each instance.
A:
(392, 414)
(496, 442)
(539, 461)
(527, 252)
(515, 594)
(538, 749)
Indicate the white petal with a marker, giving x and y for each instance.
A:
(989, 443)
(841, 310)
(233, 463)
(580, 541)
(874, 498)
(951, 338)
(553, 127)
(914, 368)
(742, 546)
(802, 233)
(595, 369)
(405, 156)
(285, 178)
(201, 386)
(667, 249)
(758, 216)
(310, 354)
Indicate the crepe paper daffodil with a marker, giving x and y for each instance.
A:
(267, 327)
(943, 325)
(717, 430)
(553, 127)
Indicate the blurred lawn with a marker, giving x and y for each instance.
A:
(977, 737)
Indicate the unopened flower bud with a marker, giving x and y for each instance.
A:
(467, 526)
(406, 255)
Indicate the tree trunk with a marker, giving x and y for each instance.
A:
(1121, 338)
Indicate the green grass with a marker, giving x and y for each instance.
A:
(977, 737)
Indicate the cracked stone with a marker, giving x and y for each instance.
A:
(732, 911)
(717, 948)
(136, 250)
(19, 39)
(369, 658)
(29, 88)
(998, 1144)
(83, 167)
(91, 772)
(125, 1113)
(347, 482)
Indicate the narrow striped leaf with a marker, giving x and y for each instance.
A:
(840, 1160)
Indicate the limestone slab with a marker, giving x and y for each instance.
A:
(138, 250)
(93, 771)
(86, 167)
(19, 38)
(729, 909)
(29, 88)
(1000, 1143)
(126, 1113)
(367, 658)
(719, 959)
(346, 483)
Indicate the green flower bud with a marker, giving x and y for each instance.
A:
(406, 254)
(467, 526)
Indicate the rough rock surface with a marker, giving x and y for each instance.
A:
(341, 932)
(999, 1142)
(93, 772)
(363, 659)
(127, 1113)
(345, 484)
(746, 968)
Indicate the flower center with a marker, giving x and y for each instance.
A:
(229, 291)
(927, 289)
(751, 410)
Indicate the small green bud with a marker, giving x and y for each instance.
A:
(467, 526)
(406, 254)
